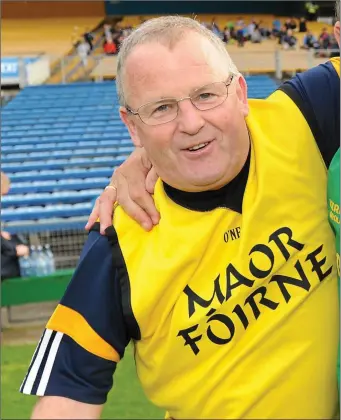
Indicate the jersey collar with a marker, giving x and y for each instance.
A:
(230, 196)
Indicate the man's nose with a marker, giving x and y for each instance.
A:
(190, 118)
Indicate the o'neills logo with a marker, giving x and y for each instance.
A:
(313, 265)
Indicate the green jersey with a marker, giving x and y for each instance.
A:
(334, 212)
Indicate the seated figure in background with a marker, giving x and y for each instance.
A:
(12, 246)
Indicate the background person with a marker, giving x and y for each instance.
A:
(12, 246)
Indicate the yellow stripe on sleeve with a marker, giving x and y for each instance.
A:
(73, 324)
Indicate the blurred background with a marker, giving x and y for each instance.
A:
(62, 138)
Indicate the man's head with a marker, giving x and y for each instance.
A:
(176, 58)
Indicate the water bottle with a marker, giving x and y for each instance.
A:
(50, 258)
(34, 261)
(25, 266)
(43, 264)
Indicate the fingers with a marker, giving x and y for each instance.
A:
(103, 209)
(130, 199)
(93, 216)
(134, 183)
(151, 179)
(106, 203)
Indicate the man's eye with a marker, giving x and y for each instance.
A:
(162, 108)
(206, 96)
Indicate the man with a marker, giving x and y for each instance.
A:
(231, 300)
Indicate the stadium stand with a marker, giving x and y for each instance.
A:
(54, 39)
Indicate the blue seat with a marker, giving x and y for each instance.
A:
(60, 197)
(63, 163)
(39, 212)
(58, 185)
(26, 157)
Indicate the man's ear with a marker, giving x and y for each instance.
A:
(128, 120)
(241, 91)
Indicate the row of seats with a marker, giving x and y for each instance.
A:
(49, 224)
(112, 123)
(58, 174)
(38, 104)
(96, 152)
(54, 135)
(53, 185)
(50, 210)
(62, 163)
(57, 197)
(48, 146)
(85, 110)
(43, 119)
(116, 139)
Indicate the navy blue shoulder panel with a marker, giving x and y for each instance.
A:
(131, 325)
(95, 291)
(316, 92)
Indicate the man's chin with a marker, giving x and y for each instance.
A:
(208, 183)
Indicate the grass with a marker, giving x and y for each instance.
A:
(126, 399)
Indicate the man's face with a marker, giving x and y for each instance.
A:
(153, 72)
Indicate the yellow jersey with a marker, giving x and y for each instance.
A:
(231, 301)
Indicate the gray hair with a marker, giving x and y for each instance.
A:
(167, 30)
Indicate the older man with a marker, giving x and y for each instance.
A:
(231, 300)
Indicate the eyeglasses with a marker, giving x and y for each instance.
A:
(166, 110)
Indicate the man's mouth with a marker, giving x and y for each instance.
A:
(198, 146)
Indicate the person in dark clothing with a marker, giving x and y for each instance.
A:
(281, 34)
(88, 38)
(303, 25)
(12, 248)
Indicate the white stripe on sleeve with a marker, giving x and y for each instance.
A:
(35, 351)
(49, 364)
(35, 367)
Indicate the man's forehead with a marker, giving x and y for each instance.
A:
(151, 62)
(191, 45)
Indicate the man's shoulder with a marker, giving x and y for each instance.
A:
(322, 78)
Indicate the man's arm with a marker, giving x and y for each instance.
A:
(64, 408)
(73, 365)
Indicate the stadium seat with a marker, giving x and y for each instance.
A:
(60, 197)
(39, 212)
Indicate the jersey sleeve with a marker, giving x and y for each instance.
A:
(86, 335)
(316, 93)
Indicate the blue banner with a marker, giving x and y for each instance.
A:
(9, 68)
